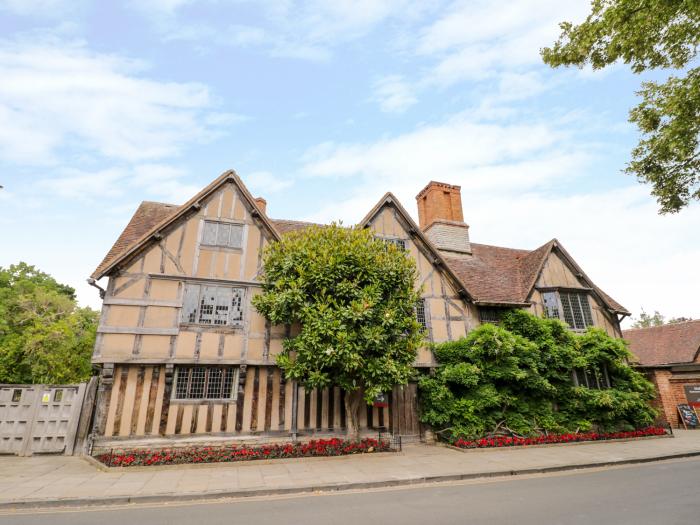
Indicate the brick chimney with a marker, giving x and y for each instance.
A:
(262, 203)
(441, 219)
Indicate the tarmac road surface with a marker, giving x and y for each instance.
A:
(663, 493)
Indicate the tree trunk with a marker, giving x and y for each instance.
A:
(353, 401)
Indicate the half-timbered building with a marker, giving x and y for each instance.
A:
(183, 355)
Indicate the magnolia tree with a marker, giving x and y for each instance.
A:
(353, 298)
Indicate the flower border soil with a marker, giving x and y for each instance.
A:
(230, 454)
(558, 439)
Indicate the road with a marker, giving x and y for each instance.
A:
(664, 493)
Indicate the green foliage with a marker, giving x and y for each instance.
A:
(518, 378)
(44, 336)
(353, 300)
(646, 320)
(669, 155)
(649, 34)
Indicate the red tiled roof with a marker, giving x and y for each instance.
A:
(147, 215)
(667, 344)
(493, 274)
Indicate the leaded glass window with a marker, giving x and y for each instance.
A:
(204, 382)
(399, 243)
(551, 305)
(212, 305)
(570, 306)
(577, 309)
(222, 234)
(598, 379)
(421, 314)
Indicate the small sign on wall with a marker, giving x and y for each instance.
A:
(692, 394)
(46, 397)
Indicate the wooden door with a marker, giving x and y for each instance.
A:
(404, 410)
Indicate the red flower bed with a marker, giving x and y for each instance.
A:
(321, 447)
(503, 441)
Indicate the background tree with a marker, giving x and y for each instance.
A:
(44, 336)
(648, 35)
(353, 300)
(645, 320)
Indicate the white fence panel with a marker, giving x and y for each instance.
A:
(39, 419)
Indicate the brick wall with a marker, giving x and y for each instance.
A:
(671, 392)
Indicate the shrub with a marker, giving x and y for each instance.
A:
(517, 379)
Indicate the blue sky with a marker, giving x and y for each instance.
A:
(321, 107)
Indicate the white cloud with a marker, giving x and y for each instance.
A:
(454, 149)
(264, 182)
(145, 180)
(37, 7)
(394, 94)
(491, 48)
(307, 30)
(57, 96)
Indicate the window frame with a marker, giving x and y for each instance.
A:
(586, 311)
(234, 382)
(227, 246)
(399, 242)
(202, 288)
(422, 310)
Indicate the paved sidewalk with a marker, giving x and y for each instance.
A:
(55, 481)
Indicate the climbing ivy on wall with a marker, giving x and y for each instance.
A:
(517, 379)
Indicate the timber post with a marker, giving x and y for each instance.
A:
(104, 394)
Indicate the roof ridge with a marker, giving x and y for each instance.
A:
(161, 203)
(296, 221)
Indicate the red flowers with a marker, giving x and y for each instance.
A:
(321, 447)
(503, 441)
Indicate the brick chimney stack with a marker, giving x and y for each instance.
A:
(441, 219)
(262, 203)
(439, 200)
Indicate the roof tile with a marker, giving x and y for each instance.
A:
(667, 344)
(147, 215)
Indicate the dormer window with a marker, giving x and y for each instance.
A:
(572, 307)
